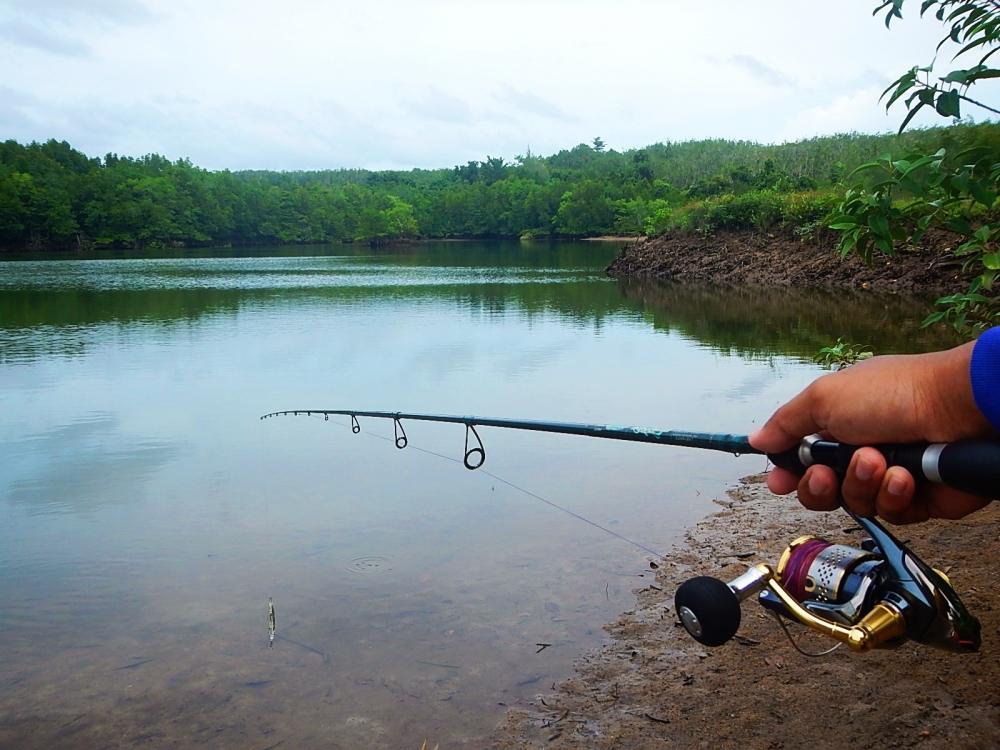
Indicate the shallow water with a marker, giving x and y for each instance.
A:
(146, 514)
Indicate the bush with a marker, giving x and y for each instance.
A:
(755, 209)
(804, 208)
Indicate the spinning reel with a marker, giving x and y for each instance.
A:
(877, 595)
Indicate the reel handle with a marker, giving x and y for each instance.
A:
(971, 466)
(708, 609)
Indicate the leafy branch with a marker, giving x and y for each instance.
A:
(896, 200)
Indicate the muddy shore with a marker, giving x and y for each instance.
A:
(655, 687)
(783, 259)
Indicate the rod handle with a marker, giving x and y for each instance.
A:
(971, 466)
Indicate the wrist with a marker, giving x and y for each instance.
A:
(948, 401)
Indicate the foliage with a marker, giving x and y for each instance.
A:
(896, 199)
(755, 209)
(972, 26)
(842, 354)
(52, 196)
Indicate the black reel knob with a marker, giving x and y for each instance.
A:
(708, 609)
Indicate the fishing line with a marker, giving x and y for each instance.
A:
(522, 490)
(797, 647)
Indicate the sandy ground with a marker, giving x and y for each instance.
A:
(655, 687)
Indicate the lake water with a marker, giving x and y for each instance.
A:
(147, 514)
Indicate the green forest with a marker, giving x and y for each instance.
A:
(55, 197)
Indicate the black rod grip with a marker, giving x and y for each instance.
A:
(971, 466)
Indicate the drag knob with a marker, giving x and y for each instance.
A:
(708, 609)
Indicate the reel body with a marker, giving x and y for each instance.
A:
(877, 595)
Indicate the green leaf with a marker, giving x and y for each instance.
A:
(921, 162)
(970, 74)
(971, 9)
(960, 10)
(957, 76)
(912, 113)
(988, 73)
(959, 225)
(982, 194)
(901, 88)
(865, 166)
(948, 104)
(879, 225)
(844, 218)
(971, 45)
(893, 13)
(884, 244)
(992, 261)
(848, 242)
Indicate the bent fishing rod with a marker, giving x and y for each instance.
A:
(971, 466)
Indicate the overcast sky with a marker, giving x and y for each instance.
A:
(312, 84)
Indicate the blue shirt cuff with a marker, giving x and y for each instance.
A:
(985, 374)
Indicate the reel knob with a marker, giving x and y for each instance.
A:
(708, 609)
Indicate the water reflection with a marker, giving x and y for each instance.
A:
(764, 322)
(86, 462)
(57, 308)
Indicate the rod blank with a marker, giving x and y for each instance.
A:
(970, 466)
(705, 440)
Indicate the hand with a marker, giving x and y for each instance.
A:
(892, 399)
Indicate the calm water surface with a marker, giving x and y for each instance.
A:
(146, 514)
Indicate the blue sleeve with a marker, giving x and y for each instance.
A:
(985, 373)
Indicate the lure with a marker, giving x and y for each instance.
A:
(272, 623)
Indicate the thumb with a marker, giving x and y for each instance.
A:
(788, 425)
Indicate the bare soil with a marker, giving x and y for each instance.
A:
(655, 687)
(783, 259)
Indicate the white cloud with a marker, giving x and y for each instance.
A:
(762, 71)
(857, 111)
(27, 34)
(311, 83)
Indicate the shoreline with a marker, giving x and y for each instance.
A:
(653, 686)
(782, 259)
(10, 252)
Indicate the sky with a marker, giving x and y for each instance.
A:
(387, 84)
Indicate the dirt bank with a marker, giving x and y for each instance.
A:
(783, 259)
(654, 687)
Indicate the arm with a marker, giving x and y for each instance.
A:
(910, 398)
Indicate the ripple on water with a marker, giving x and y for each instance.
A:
(370, 564)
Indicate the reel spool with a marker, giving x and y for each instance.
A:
(875, 596)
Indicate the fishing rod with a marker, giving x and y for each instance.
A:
(874, 595)
(971, 466)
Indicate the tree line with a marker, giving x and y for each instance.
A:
(52, 196)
